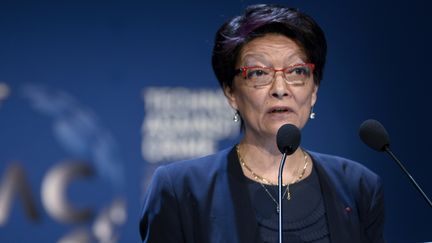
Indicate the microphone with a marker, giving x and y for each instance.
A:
(288, 139)
(374, 135)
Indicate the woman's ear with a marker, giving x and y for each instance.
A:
(314, 95)
(229, 93)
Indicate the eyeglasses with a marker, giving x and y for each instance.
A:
(297, 74)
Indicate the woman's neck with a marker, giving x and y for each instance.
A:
(264, 160)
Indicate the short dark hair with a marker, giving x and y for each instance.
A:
(259, 20)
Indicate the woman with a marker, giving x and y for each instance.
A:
(269, 63)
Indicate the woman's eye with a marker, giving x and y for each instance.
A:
(256, 73)
(303, 71)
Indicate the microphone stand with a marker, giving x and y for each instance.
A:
(389, 152)
(282, 163)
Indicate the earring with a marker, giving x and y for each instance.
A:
(312, 114)
(236, 117)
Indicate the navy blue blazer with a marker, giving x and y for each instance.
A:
(207, 200)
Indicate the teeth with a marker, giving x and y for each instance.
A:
(279, 110)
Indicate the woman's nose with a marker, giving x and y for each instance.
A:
(279, 87)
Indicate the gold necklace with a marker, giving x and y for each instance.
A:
(261, 180)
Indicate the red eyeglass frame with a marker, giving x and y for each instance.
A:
(243, 70)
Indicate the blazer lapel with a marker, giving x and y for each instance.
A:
(339, 219)
(245, 224)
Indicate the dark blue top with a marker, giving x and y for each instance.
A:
(304, 218)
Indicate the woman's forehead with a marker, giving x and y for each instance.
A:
(271, 48)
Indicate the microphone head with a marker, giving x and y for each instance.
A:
(374, 135)
(288, 138)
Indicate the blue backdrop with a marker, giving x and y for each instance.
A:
(89, 90)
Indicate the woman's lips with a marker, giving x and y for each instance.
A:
(280, 112)
(279, 109)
